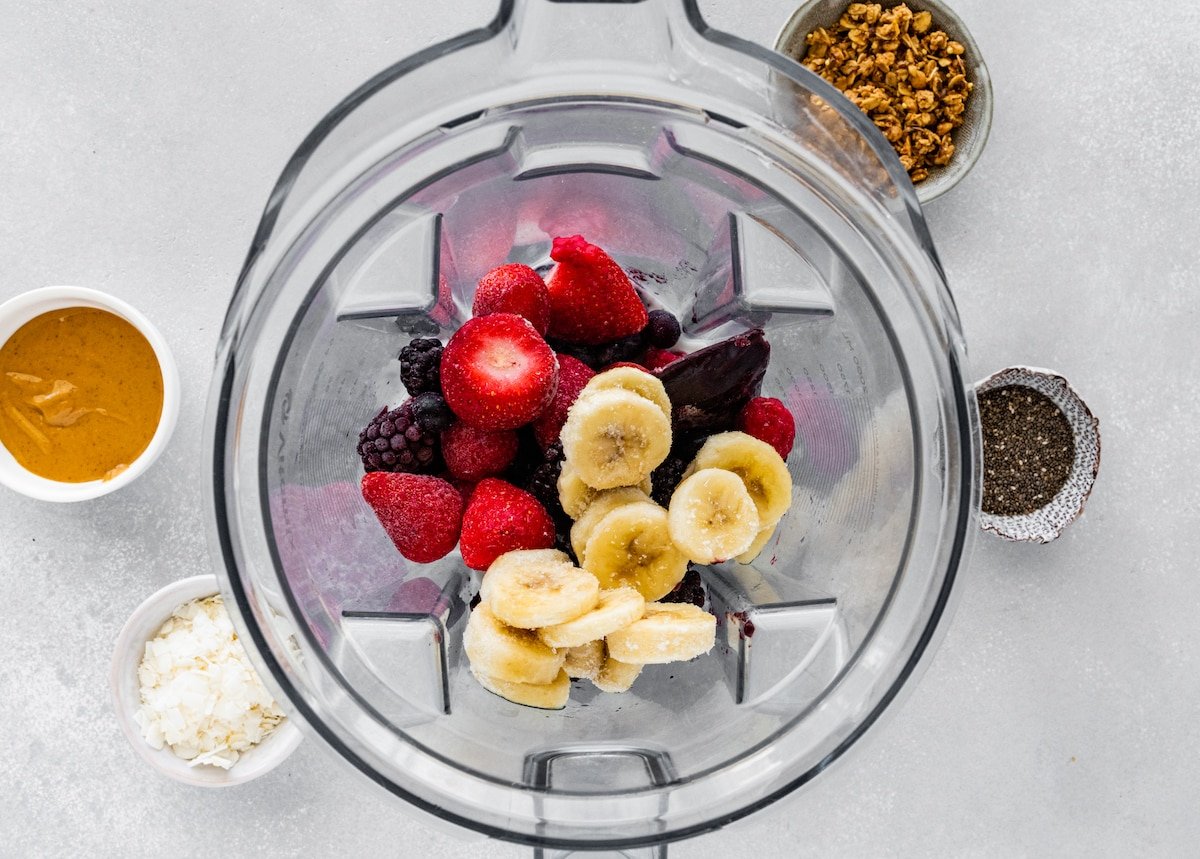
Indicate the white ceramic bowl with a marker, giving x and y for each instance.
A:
(971, 136)
(142, 625)
(16, 312)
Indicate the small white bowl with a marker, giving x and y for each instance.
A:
(1046, 524)
(971, 136)
(16, 312)
(143, 625)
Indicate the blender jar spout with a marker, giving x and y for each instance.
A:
(608, 35)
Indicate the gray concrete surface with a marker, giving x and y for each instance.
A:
(138, 143)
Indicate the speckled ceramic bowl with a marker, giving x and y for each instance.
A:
(1047, 523)
(142, 625)
(971, 136)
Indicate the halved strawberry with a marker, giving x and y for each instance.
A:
(514, 288)
(497, 372)
(592, 300)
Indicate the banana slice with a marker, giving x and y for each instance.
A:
(759, 465)
(631, 546)
(586, 660)
(760, 542)
(667, 632)
(712, 517)
(615, 438)
(504, 653)
(629, 379)
(576, 496)
(602, 504)
(618, 607)
(615, 676)
(534, 590)
(544, 696)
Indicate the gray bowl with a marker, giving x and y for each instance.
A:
(970, 137)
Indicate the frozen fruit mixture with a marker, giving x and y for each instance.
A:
(584, 465)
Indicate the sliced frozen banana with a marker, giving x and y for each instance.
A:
(576, 496)
(500, 651)
(618, 607)
(586, 660)
(602, 504)
(630, 379)
(522, 558)
(531, 592)
(759, 465)
(615, 676)
(712, 517)
(667, 632)
(615, 438)
(544, 696)
(631, 546)
(760, 542)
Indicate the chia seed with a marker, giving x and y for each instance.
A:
(1028, 450)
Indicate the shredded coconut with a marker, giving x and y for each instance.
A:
(200, 695)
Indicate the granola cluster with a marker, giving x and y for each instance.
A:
(907, 77)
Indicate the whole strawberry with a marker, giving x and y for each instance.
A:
(472, 454)
(422, 514)
(514, 288)
(592, 300)
(497, 372)
(501, 518)
(572, 376)
(768, 419)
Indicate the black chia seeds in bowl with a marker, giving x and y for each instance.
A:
(1041, 453)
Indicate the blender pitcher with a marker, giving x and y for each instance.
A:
(740, 192)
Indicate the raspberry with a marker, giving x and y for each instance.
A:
(502, 518)
(497, 372)
(689, 590)
(572, 376)
(592, 300)
(472, 454)
(663, 329)
(768, 419)
(394, 441)
(514, 288)
(421, 514)
(420, 363)
(658, 358)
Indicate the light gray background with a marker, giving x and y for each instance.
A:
(138, 143)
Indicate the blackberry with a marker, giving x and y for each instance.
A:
(420, 365)
(395, 441)
(542, 483)
(629, 348)
(689, 590)
(663, 329)
(430, 412)
(666, 477)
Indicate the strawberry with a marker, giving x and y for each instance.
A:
(514, 288)
(421, 514)
(502, 518)
(625, 364)
(768, 419)
(472, 454)
(592, 300)
(573, 374)
(497, 372)
(657, 358)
